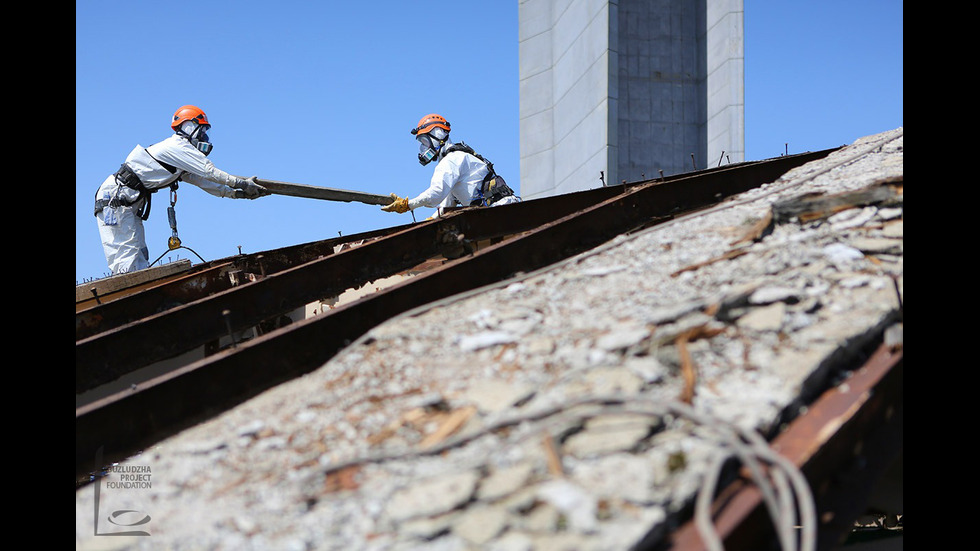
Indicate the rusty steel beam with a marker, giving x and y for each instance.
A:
(202, 282)
(120, 286)
(126, 422)
(841, 465)
(160, 298)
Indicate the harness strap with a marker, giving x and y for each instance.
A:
(493, 188)
(125, 176)
(103, 203)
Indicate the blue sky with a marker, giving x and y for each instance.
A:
(324, 93)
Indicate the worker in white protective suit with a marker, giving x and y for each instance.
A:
(122, 202)
(461, 177)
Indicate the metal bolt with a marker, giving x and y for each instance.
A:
(227, 315)
(898, 295)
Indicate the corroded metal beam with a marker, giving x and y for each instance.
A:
(205, 280)
(865, 413)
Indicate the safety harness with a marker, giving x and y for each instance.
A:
(493, 188)
(126, 177)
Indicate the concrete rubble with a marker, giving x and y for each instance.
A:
(576, 407)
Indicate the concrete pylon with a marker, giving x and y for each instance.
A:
(622, 90)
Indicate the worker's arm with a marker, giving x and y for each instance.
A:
(440, 186)
(247, 188)
(201, 172)
(437, 193)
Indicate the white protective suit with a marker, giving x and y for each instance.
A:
(457, 177)
(120, 227)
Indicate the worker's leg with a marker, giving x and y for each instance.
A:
(124, 242)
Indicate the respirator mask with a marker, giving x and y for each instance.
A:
(430, 143)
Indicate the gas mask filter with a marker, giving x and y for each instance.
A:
(198, 135)
(430, 144)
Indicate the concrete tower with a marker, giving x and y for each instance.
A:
(624, 89)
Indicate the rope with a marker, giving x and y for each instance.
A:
(174, 249)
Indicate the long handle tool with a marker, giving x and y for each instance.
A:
(329, 194)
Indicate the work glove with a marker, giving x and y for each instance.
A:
(398, 204)
(248, 189)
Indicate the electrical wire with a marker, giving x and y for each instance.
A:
(785, 490)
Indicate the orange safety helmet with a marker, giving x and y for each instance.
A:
(432, 133)
(197, 132)
(188, 113)
(430, 122)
